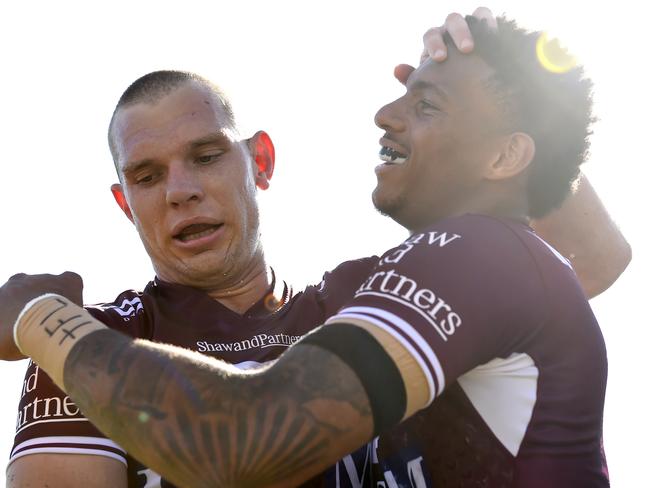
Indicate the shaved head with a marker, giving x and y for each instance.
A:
(154, 86)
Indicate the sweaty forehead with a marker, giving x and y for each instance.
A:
(190, 112)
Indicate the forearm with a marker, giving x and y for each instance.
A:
(68, 470)
(583, 231)
(199, 422)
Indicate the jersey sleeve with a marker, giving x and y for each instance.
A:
(48, 421)
(456, 296)
(338, 285)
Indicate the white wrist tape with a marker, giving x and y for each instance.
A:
(47, 329)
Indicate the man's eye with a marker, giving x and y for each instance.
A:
(144, 179)
(427, 106)
(208, 158)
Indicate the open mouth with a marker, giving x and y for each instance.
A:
(391, 156)
(196, 231)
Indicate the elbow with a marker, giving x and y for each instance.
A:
(610, 270)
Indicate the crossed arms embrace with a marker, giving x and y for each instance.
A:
(463, 300)
(404, 339)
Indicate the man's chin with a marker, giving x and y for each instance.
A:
(198, 271)
(385, 205)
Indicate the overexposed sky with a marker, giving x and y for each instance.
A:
(312, 75)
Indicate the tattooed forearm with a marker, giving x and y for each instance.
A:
(199, 422)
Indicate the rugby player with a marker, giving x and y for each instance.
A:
(226, 304)
(408, 366)
(245, 319)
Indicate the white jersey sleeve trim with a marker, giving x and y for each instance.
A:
(426, 317)
(69, 445)
(405, 334)
(70, 450)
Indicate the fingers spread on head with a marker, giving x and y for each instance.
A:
(434, 45)
(459, 32)
(484, 13)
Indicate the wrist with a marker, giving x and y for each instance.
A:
(48, 328)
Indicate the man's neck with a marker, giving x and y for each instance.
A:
(499, 209)
(243, 294)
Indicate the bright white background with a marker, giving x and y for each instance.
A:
(311, 74)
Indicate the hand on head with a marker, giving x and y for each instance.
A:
(434, 44)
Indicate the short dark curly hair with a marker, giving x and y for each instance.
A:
(555, 109)
(153, 86)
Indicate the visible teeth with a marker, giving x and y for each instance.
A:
(196, 235)
(389, 155)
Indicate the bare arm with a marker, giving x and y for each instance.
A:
(69, 470)
(200, 422)
(583, 231)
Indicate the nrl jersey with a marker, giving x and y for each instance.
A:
(513, 356)
(49, 422)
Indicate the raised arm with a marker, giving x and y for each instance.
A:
(583, 231)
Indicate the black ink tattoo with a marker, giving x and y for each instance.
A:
(63, 305)
(67, 333)
(199, 422)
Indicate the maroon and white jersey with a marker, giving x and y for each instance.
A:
(49, 422)
(511, 351)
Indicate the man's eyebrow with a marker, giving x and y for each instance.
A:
(218, 137)
(214, 137)
(421, 85)
(133, 166)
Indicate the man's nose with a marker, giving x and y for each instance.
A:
(389, 118)
(183, 185)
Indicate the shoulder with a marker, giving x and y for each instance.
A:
(473, 261)
(471, 231)
(463, 242)
(336, 286)
(124, 312)
(349, 271)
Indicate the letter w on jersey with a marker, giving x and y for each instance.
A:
(441, 238)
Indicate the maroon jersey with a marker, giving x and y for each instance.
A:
(49, 422)
(514, 359)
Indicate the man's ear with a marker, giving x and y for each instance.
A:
(516, 155)
(263, 152)
(118, 194)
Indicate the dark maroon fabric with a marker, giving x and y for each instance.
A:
(467, 296)
(186, 317)
(482, 301)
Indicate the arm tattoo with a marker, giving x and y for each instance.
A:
(199, 422)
